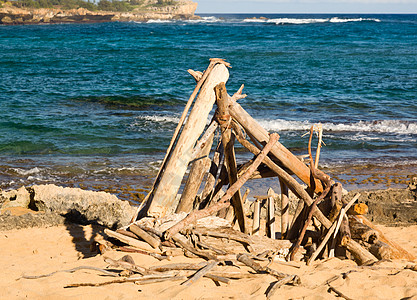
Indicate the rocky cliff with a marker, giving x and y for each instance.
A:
(178, 10)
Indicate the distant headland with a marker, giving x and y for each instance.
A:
(79, 11)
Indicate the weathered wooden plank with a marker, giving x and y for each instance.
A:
(163, 198)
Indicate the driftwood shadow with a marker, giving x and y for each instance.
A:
(74, 223)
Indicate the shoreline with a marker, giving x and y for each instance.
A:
(131, 177)
(10, 15)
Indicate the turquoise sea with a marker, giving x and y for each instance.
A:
(95, 105)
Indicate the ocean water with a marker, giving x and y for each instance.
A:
(95, 105)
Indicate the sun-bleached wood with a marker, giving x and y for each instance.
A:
(163, 197)
(271, 214)
(198, 169)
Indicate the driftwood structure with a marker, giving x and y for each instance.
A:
(325, 222)
(210, 219)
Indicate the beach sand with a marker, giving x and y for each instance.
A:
(37, 251)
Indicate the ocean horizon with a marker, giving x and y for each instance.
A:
(95, 105)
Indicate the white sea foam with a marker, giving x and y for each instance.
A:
(384, 126)
(281, 21)
(160, 119)
(23, 172)
(158, 21)
(211, 19)
(254, 20)
(339, 20)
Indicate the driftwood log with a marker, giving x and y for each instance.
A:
(397, 252)
(162, 199)
(224, 120)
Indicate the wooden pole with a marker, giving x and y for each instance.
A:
(195, 177)
(145, 236)
(223, 117)
(289, 160)
(284, 208)
(256, 225)
(271, 214)
(209, 188)
(163, 198)
(206, 138)
(297, 220)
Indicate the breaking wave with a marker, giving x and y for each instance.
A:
(160, 119)
(296, 21)
(382, 126)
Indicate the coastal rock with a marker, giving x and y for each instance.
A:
(15, 198)
(82, 206)
(393, 207)
(48, 205)
(181, 9)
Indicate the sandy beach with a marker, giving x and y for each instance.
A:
(38, 251)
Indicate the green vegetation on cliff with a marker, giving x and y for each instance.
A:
(105, 5)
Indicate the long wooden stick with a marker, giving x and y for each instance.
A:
(213, 62)
(297, 220)
(284, 208)
(271, 214)
(195, 177)
(256, 217)
(397, 251)
(279, 284)
(320, 133)
(144, 280)
(202, 142)
(145, 236)
(222, 100)
(209, 189)
(245, 259)
(307, 222)
(225, 200)
(70, 271)
(314, 205)
(128, 240)
(203, 271)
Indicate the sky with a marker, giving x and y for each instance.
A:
(306, 6)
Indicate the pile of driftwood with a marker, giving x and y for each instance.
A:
(212, 223)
